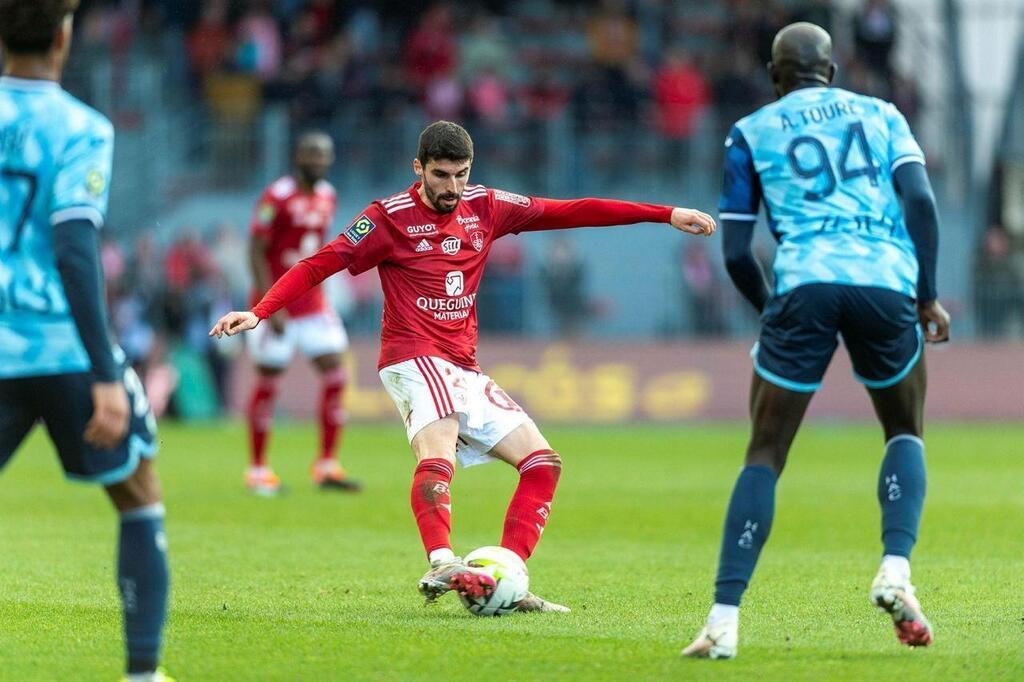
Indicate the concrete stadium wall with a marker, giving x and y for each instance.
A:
(602, 383)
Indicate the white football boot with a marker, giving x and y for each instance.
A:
(892, 592)
(718, 640)
(455, 574)
(531, 603)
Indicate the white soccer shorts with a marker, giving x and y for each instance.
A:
(313, 335)
(426, 389)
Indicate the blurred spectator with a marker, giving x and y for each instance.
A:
(431, 52)
(259, 42)
(503, 291)
(702, 291)
(209, 42)
(874, 33)
(680, 96)
(564, 277)
(224, 250)
(998, 286)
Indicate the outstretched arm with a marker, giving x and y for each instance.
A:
(299, 279)
(560, 214)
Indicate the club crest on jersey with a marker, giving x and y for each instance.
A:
(359, 229)
(476, 238)
(454, 283)
(451, 245)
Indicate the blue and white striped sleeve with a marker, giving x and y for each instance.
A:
(903, 148)
(741, 186)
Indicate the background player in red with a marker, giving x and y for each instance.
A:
(429, 244)
(290, 223)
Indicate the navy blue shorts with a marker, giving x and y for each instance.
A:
(800, 330)
(63, 402)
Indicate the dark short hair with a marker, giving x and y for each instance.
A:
(28, 26)
(444, 140)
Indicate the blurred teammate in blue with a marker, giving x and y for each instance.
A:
(57, 363)
(831, 168)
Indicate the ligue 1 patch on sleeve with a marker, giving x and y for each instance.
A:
(359, 229)
(95, 182)
(511, 198)
(265, 213)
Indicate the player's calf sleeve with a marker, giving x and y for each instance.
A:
(332, 418)
(747, 523)
(531, 503)
(143, 579)
(260, 416)
(432, 502)
(901, 489)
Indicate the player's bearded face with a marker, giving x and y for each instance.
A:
(444, 182)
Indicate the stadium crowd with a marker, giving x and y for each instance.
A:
(614, 65)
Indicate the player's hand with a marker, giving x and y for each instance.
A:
(110, 412)
(277, 321)
(693, 221)
(934, 321)
(235, 323)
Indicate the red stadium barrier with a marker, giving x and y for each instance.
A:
(606, 383)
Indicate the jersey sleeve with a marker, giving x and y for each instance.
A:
(903, 147)
(511, 213)
(264, 215)
(81, 187)
(365, 243)
(741, 186)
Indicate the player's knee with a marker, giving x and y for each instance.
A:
(334, 376)
(141, 489)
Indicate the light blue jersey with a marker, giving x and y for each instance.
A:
(822, 160)
(55, 163)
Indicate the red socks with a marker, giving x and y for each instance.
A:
(332, 418)
(528, 511)
(432, 503)
(261, 413)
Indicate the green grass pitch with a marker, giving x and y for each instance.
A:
(315, 586)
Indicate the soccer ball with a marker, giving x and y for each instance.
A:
(511, 575)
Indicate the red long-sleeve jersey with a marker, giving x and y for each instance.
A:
(431, 263)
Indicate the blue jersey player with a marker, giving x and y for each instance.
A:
(848, 200)
(57, 364)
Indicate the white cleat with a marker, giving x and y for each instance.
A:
(717, 640)
(892, 593)
(455, 574)
(531, 603)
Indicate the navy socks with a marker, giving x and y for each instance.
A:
(747, 523)
(142, 577)
(901, 488)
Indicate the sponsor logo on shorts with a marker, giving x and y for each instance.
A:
(454, 283)
(424, 246)
(358, 230)
(499, 398)
(421, 230)
(451, 245)
(511, 198)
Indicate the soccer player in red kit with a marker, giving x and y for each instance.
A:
(290, 223)
(429, 244)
